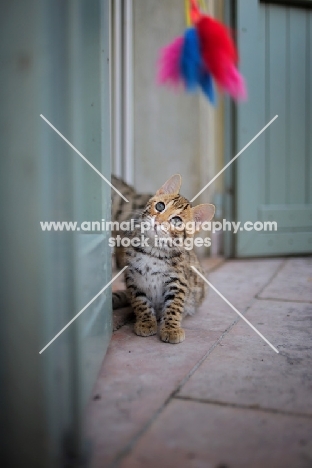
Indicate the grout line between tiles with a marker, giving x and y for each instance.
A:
(274, 275)
(276, 299)
(244, 407)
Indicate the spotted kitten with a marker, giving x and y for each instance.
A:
(124, 211)
(161, 285)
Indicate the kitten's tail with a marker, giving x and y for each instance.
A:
(120, 300)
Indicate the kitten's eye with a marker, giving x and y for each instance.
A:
(160, 206)
(176, 221)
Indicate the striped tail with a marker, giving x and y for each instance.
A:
(120, 300)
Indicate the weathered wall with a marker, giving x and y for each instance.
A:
(173, 131)
(166, 123)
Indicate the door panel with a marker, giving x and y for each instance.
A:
(54, 57)
(273, 176)
(277, 102)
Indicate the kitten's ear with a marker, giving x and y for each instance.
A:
(203, 212)
(171, 187)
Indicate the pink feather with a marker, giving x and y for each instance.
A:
(234, 83)
(169, 63)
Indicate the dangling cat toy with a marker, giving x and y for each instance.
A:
(205, 53)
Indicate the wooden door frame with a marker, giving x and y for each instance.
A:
(230, 117)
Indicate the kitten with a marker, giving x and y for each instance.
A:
(123, 211)
(161, 285)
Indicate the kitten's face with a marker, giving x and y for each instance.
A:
(168, 214)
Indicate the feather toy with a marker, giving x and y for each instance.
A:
(205, 53)
(220, 56)
(234, 83)
(192, 66)
(169, 63)
(207, 87)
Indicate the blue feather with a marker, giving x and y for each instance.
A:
(206, 84)
(191, 59)
(192, 66)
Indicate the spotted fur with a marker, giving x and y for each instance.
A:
(161, 285)
(124, 211)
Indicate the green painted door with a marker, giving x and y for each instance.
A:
(54, 61)
(273, 177)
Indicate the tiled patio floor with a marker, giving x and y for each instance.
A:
(222, 398)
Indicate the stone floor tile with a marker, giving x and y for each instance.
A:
(241, 280)
(244, 370)
(190, 434)
(138, 375)
(293, 282)
(211, 263)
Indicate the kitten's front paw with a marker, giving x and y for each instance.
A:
(147, 328)
(172, 336)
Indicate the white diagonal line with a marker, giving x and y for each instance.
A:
(82, 310)
(83, 157)
(235, 157)
(235, 310)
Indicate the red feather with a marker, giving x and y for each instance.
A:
(218, 49)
